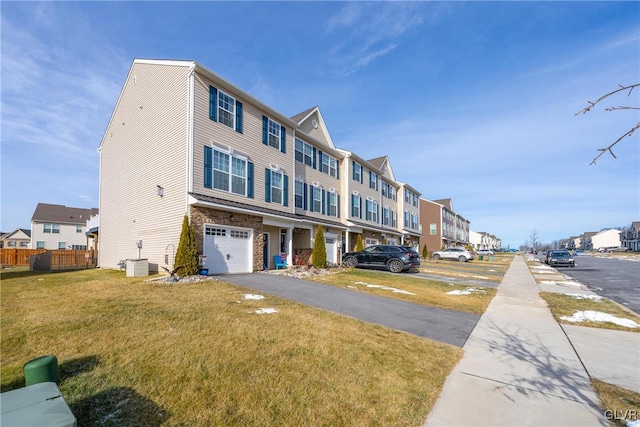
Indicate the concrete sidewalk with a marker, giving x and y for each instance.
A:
(519, 367)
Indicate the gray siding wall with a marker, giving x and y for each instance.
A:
(145, 146)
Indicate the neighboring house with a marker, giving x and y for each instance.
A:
(484, 240)
(573, 242)
(254, 183)
(20, 238)
(604, 239)
(585, 240)
(443, 226)
(59, 227)
(630, 238)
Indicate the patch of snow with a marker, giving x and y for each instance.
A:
(385, 288)
(266, 311)
(253, 296)
(597, 316)
(634, 423)
(596, 298)
(467, 291)
(565, 283)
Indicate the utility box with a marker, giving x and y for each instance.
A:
(39, 405)
(41, 370)
(137, 267)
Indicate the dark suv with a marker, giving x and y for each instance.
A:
(391, 257)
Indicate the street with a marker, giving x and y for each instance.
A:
(616, 279)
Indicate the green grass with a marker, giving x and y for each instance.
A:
(426, 292)
(618, 403)
(563, 305)
(136, 353)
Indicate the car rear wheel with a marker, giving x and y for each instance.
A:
(436, 257)
(395, 266)
(351, 262)
(462, 258)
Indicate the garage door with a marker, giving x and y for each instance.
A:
(228, 249)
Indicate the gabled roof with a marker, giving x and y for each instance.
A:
(46, 212)
(11, 235)
(384, 165)
(311, 114)
(446, 203)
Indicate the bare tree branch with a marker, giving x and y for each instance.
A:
(621, 108)
(593, 104)
(604, 150)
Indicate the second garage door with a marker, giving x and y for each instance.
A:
(228, 249)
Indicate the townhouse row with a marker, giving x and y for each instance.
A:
(254, 183)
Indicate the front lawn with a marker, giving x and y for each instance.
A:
(137, 353)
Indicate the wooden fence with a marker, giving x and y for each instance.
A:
(49, 260)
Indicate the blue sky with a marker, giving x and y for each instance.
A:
(473, 101)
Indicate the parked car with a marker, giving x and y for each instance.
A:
(484, 252)
(461, 254)
(394, 258)
(561, 258)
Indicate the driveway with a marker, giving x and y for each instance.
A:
(447, 326)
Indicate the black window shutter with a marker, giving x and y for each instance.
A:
(267, 185)
(239, 115)
(265, 130)
(213, 103)
(250, 180)
(285, 190)
(283, 139)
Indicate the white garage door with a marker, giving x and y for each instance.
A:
(228, 250)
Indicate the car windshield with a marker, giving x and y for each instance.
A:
(560, 254)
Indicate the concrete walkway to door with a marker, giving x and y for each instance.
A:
(448, 326)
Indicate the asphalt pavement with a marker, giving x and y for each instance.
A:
(447, 326)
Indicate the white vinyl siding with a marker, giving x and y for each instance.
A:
(146, 146)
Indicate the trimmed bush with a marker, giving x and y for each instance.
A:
(319, 250)
(359, 244)
(187, 256)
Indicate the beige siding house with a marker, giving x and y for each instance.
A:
(60, 227)
(254, 183)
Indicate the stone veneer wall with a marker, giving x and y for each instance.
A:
(201, 216)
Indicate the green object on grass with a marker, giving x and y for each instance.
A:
(42, 370)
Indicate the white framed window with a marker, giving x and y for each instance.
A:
(299, 194)
(62, 245)
(407, 196)
(78, 229)
(373, 181)
(51, 228)
(407, 219)
(386, 216)
(394, 218)
(304, 153)
(332, 198)
(40, 244)
(357, 172)
(238, 176)
(355, 206)
(432, 229)
(274, 133)
(226, 109)
(229, 173)
(277, 184)
(11, 244)
(415, 200)
(372, 210)
(329, 165)
(414, 221)
(316, 198)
